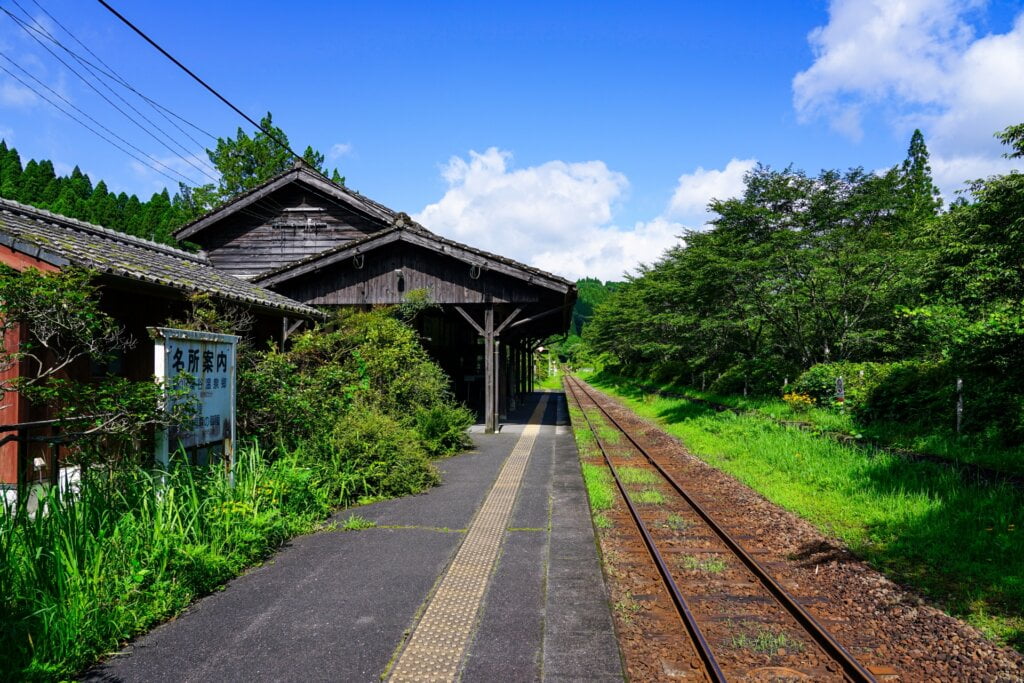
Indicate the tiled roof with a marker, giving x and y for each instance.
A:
(60, 240)
(404, 223)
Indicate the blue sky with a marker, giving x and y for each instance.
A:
(579, 137)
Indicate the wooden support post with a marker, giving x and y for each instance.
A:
(496, 379)
(513, 376)
(530, 381)
(502, 380)
(520, 370)
(490, 410)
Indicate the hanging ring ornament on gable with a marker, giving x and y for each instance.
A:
(358, 261)
(474, 272)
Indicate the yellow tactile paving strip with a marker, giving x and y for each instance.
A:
(438, 643)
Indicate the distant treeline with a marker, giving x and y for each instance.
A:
(591, 294)
(36, 183)
(837, 269)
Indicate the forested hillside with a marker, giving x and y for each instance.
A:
(74, 195)
(852, 274)
(591, 294)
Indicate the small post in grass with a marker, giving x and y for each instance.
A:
(840, 390)
(959, 403)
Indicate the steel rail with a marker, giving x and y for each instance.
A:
(852, 669)
(711, 666)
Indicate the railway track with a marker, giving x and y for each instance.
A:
(741, 623)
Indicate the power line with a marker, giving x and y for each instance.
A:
(32, 31)
(112, 74)
(203, 83)
(85, 125)
(83, 113)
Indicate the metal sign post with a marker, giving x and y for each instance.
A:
(197, 368)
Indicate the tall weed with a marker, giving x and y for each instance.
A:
(134, 548)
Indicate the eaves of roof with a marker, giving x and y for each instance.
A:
(411, 232)
(300, 173)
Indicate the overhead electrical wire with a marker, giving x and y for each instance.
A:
(199, 80)
(85, 125)
(112, 74)
(32, 31)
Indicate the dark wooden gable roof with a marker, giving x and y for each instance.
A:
(300, 173)
(63, 241)
(297, 214)
(405, 230)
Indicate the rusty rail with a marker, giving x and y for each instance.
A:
(852, 669)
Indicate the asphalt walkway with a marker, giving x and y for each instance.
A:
(406, 599)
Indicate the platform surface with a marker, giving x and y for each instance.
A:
(341, 605)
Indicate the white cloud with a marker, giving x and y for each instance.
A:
(338, 150)
(557, 216)
(920, 63)
(608, 252)
(13, 94)
(694, 190)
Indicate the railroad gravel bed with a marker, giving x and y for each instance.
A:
(888, 627)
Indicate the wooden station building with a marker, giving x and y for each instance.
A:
(321, 244)
(141, 284)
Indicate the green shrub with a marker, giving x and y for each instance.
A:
(442, 428)
(911, 392)
(859, 379)
(369, 358)
(921, 396)
(370, 454)
(754, 377)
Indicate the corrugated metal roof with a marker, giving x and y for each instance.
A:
(61, 240)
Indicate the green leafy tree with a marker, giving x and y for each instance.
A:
(798, 270)
(66, 331)
(245, 162)
(1013, 137)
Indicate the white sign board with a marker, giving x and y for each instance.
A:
(202, 365)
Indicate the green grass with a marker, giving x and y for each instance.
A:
(606, 432)
(676, 522)
(355, 523)
(712, 565)
(602, 521)
(600, 486)
(649, 497)
(766, 641)
(610, 435)
(551, 382)
(960, 543)
(637, 475)
(627, 608)
(78, 581)
(975, 450)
